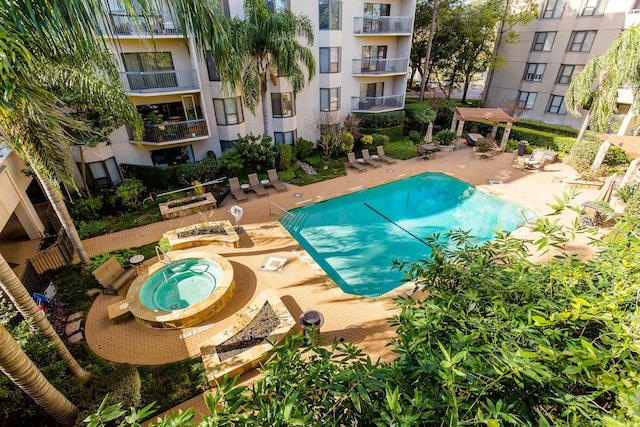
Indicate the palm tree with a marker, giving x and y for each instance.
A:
(15, 290)
(21, 370)
(267, 43)
(598, 83)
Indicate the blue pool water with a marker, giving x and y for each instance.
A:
(355, 238)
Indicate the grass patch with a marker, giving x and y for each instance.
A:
(402, 150)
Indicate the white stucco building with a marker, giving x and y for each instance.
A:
(362, 53)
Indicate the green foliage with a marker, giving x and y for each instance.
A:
(129, 191)
(154, 178)
(446, 137)
(418, 115)
(87, 209)
(304, 148)
(257, 152)
(285, 156)
(632, 208)
(381, 120)
(380, 139)
(394, 133)
(347, 143)
(414, 136)
(91, 229)
(204, 170)
(232, 160)
(366, 140)
(626, 192)
(444, 116)
(402, 150)
(549, 128)
(582, 155)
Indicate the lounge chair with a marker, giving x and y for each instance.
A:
(537, 156)
(275, 181)
(112, 276)
(384, 157)
(539, 167)
(369, 160)
(354, 163)
(236, 191)
(254, 185)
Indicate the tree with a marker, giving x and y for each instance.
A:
(267, 44)
(16, 365)
(596, 87)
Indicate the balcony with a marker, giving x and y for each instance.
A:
(124, 24)
(377, 67)
(173, 131)
(159, 81)
(376, 25)
(377, 104)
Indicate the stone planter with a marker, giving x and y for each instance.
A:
(198, 235)
(447, 148)
(187, 206)
(585, 185)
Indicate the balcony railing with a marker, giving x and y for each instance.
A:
(379, 66)
(125, 24)
(376, 104)
(159, 81)
(383, 25)
(173, 131)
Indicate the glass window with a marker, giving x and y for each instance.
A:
(275, 5)
(373, 58)
(104, 174)
(526, 99)
(330, 99)
(227, 145)
(148, 70)
(534, 72)
(282, 104)
(593, 7)
(553, 9)
(330, 11)
(172, 156)
(565, 73)
(288, 138)
(329, 59)
(581, 41)
(377, 9)
(556, 105)
(228, 111)
(212, 68)
(543, 41)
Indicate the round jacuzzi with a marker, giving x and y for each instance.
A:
(182, 289)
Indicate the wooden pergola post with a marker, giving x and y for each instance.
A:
(505, 135)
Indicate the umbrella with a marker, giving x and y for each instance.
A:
(237, 213)
(428, 138)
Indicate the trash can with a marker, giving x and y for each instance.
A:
(522, 148)
(309, 320)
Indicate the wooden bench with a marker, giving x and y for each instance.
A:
(112, 276)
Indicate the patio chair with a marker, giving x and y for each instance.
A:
(352, 162)
(422, 153)
(368, 160)
(537, 156)
(112, 276)
(384, 157)
(254, 185)
(275, 181)
(539, 167)
(236, 191)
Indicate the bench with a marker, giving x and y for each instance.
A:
(112, 276)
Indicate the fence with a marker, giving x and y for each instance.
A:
(35, 276)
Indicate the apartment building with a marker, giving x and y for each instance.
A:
(362, 53)
(552, 50)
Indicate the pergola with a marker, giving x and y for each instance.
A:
(631, 146)
(495, 115)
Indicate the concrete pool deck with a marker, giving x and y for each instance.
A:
(301, 284)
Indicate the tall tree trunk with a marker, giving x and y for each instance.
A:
(427, 57)
(25, 374)
(263, 98)
(15, 290)
(65, 219)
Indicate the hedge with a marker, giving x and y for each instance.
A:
(534, 137)
(394, 133)
(381, 120)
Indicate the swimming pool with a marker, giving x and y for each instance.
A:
(355, 238)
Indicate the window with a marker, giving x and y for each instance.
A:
(228, 111)
(227, 145)
(556, 105)
(282, 105)
(330, 14)
(565, 73)
(581, 41)
(172, 156)
(371, 94)
(277, 5)
(553, 9)
(373, 58)
(593, 7)
(104, 174)
(372, 24)
(149, 70)
(526, 99)
(330, 99)
(329, 59)
(377, 9)
(288, 138)
(533, 72)
(212, 68)
(329, 129)
(543, 41)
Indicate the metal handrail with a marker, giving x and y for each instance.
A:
(283, 212)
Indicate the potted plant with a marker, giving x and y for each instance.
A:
(445, 139)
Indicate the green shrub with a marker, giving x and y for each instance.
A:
(347, 142)
(91, 228)
(380, 139)
(395, 133)
(87, 209)
(626, 192)
(232, 160)
(632, 208)
(129, 191)
(304, 148)
(152, 177)
(285, 156)
(203, 171)
(257, 152)
(446, 137)
(417, 115)
(414, 136)
(381, 120)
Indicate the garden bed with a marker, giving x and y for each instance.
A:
(205, 233)
(187, 206)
